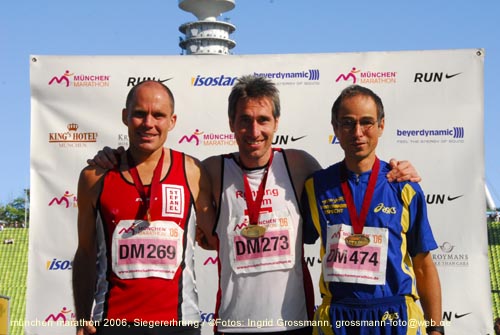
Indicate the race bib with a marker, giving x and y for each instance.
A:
(274, 250)
(142, 249)
(361, 264)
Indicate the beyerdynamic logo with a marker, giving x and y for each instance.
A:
(308, 75)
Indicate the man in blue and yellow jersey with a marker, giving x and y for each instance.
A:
(375, 235)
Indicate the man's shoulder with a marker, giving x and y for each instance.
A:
(190, 160)
(303, 162)
(213, 164)
(93, 172)
(332, 169)
(217, 159)
(295, 153)
(90, 177)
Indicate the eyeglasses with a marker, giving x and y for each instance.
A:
(350, 124)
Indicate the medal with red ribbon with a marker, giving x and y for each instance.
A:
(358, 239)
(253, 230)
(155, 182)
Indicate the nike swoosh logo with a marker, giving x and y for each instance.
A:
(458, 316)
(454, 198)
(448, 76)
(162, 81)
(298, 138)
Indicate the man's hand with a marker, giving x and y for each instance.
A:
(106, 158)
(402, 171)
(203, 241)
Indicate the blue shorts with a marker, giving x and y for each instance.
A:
(385, 316)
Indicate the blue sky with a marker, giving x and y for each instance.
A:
(150, 27)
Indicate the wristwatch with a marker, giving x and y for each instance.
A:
(439, 329)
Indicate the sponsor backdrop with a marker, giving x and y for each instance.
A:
(434, 117)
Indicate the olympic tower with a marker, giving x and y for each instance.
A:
(207, 36)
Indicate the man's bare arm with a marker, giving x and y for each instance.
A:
(428, 287)
(84, 262)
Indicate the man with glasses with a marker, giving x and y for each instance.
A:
(375, 235)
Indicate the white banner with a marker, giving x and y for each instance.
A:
(434, 117)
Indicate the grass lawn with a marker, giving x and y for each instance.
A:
(13, 271)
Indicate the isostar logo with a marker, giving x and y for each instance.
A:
(62, 317)
(431, 136)
(434, 77)
(199, 137)
(132, 81)
(57, 264)
(448, 256)
(70, 79)
(309, 75)
(67, 200)
(286, 139)
(72, 137)
(356, 76)
(222, 80)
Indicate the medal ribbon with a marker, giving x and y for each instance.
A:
(358, 222)
(254, 206)
(146, 198)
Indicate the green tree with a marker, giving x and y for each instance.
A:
(17, 210)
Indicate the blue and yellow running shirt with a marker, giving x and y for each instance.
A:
(396, 224)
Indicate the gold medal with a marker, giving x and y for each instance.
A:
(253, 231)
(357, 240)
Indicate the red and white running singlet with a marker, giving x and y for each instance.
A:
(261, 279)
(146, 269)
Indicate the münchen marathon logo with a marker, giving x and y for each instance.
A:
(69, 78)
(199, 137)
(357, 76)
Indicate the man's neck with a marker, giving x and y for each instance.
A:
(360, 166)
(146, 163)
(145, 158)
(249, 163)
